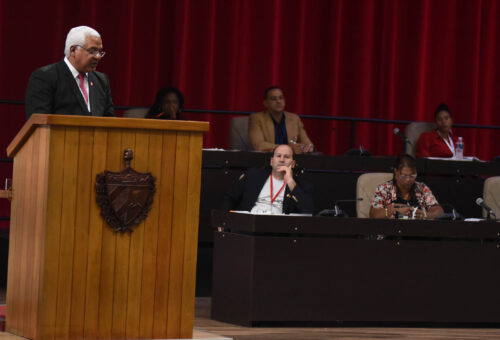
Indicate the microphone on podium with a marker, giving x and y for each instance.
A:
(400, 135)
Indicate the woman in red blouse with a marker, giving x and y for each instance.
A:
(439, 142)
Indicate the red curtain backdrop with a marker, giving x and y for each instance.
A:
(365, 58)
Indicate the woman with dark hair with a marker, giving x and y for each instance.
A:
(403, 196)
(168, 105)
(439, 142)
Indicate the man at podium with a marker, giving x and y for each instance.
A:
(261, 191)
(72, 86)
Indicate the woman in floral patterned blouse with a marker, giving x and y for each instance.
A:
(403, 196)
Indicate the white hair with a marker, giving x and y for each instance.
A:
(77, 36)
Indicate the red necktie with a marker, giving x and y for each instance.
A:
(82, 87)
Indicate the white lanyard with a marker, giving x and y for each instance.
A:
(449, 143)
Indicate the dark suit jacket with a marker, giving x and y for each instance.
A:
(243, 194)
(52, 89)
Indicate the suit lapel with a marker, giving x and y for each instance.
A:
(269, 126)
(290, 131)
(74, 87)
(286, 199)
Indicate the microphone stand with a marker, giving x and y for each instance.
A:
(336, 211)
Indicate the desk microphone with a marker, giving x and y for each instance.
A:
(480, 202)
(336, 211)
(454, 216)
(403, 137)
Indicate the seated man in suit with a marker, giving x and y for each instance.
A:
(72, 86)
(272, 192)
(272, 127)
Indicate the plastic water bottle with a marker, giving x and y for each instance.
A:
(459, 148)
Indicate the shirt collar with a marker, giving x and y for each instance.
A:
(438, 135)
(282, 121)
(73, 70)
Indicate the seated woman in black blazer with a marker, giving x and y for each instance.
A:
(168, 105)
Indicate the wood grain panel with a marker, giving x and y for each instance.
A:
(122, 258)
(50, 249)
(22, 253)
(96, 225)
(29, 235)
(191, 236)
(23, 250)
(151, 243)
(99, 122)
(66, 245)
(24, 246)
(40, 196)
(178, 234)
(28, 210)
(141, 163)
(165, 200)
(106, 294)
(81, 232)
(14, 292)
(74, 276)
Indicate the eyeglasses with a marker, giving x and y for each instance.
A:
(93, 51)
(412, 176)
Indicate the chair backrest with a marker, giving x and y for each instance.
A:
(238, 134)
(491, 195)
(413, 131)
(365, 188)
(139, 112)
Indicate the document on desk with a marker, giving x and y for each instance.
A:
(465, 159)
(249, 213)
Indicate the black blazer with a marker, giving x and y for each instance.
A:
(52, 89)
(243, 194)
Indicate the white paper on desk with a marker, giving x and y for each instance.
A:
(215, 149)
(474, 219)
(465, 159)
(269, 214)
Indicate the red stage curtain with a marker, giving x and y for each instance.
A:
(364, 58)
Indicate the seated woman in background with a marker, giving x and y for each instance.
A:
(168, 105)
(403, 196)
(439, 142)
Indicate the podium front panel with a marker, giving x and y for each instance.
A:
(70, 274)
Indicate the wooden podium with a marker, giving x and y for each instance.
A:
(70, 274)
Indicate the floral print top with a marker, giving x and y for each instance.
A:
(385, 194)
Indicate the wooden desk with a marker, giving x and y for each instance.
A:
(320, 270)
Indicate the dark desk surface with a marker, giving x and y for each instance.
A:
(245, 159)
(294, 226)
(316, 270)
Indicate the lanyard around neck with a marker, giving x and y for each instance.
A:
(279, 191)
(449, 143)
